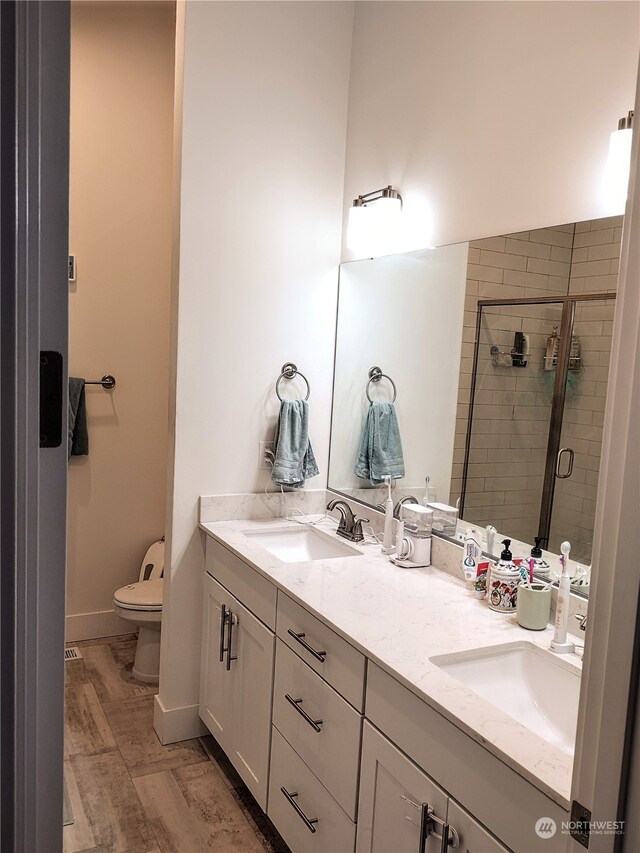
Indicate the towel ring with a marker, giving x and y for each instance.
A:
(375, 375)
(289, 370)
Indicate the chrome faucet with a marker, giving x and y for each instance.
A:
(582, 620)
(349, 526)
(409, 499)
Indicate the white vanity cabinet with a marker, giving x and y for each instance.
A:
(402, 810)
(236, 682)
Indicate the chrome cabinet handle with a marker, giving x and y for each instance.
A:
(223, 623)
(569, 471)
(315, 724)
(308, 821)
(448, 836)
(230, 621)
(300, 638)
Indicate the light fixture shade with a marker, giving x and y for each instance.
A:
(374, 224)
(616, 179)
(357, 236)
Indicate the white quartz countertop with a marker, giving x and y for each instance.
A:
(399, 618)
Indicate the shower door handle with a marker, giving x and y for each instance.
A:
(569, 470)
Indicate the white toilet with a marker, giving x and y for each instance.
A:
(141, 604)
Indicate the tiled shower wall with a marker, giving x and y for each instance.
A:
(513, 405)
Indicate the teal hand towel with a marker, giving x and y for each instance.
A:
(380, 453)
(294, 460)
(78, 435)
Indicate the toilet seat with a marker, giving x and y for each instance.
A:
(143, 595)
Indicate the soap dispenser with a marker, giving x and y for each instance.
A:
(540, 566)
(503, 582)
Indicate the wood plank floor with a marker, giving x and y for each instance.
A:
(131, 794)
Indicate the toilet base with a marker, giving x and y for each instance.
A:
(146, 666)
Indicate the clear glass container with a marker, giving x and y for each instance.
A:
(445, 518)
(418, 520)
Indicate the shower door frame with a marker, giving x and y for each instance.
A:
(568, 303)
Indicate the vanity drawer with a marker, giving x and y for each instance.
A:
(328, 737)
(243, 581)
(339, 664)
(329, 829)
(476, 777)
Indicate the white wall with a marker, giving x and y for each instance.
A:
(489, 117)
(417, 299)
(120, 231)
(264, 127)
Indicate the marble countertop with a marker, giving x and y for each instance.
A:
(400, 618)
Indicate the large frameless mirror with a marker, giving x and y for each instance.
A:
(492, 358)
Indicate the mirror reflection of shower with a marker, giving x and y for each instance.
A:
(539, 387)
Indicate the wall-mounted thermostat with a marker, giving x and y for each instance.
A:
(72, 268)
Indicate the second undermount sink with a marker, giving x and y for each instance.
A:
(535, 687)
(301, 544)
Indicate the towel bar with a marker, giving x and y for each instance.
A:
(375, 375)
(108, 381)
(289, 370)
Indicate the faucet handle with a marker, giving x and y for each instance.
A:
(357, 534)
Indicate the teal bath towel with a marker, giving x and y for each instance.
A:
(294, 460)
(78, 435)
(380, 453)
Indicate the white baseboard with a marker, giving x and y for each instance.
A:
(174, 724)
(90, 626)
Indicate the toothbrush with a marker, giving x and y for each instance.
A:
(560, 644)
(387, 539)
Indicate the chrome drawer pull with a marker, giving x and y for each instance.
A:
(448, 836)
(223, 625)
(315, 724)
(308, 821)
(300, 638)
(231, 619)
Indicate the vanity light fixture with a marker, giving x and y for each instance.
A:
(618, 164)
(374, 220)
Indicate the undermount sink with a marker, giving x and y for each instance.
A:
(535, 687)
(301, 544)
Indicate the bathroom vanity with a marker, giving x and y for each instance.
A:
(333, 682)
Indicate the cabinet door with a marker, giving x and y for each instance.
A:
(393, 795)
(472, 836)
(216, 695)
(236, 692)
(251, 680)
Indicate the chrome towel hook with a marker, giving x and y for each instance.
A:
(289, 370)
(375, 375)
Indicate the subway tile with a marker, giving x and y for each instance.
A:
(552, 237)
(548, 267)
(473, 255)
(591, 268)
(607, 222)
(607, 250)
(501, 260)
(561, 253)
(493, 244)
(528, 249)
(592, 238)
(480, 272)
(523, 278)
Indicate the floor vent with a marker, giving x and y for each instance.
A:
(72, 653)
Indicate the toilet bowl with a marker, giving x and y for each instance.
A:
(141, 604)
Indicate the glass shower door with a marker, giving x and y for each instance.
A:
(578, 458)
(507, 444)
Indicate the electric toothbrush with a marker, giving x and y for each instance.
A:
(560, 644)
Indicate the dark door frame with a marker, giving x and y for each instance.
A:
(34, 175)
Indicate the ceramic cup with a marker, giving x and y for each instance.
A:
(534, 606)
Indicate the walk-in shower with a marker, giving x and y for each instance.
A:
(534, 433)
